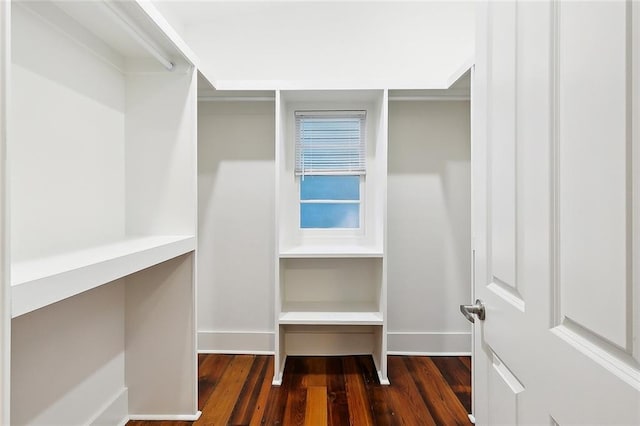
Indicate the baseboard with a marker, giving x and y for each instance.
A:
(428, 343)
(167, 417)
(236, 342)
(114, 412)
(398, 343)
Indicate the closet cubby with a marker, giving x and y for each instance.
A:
(331, 285)
(102, 201)
(328, 291)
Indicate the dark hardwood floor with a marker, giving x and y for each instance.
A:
(337, 391)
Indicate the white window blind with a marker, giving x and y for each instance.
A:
(330, 143)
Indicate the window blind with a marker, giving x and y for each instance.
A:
(330, 143)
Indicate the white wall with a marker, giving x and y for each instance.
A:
(68, 358)
(340, 44)
(428, 233)
(236, 186)
(67, 143)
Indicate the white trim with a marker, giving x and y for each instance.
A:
(412, 333)
(116, 408)
(430, 95)
(5, 257)
(138, 36)
(429, 343)
(166, 417)
(614, 360)
(472, 419)
(430, 98)
(172, 35)
(236, 342)
(406, 353)
(464, 67)
(41, 282)
(233, 352)
(236, 99)
(331, 85)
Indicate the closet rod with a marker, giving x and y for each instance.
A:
(126, 24)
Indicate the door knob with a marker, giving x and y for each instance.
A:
(469, 310)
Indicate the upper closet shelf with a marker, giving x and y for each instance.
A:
(41, 282)
(118, 32)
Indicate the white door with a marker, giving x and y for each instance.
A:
(556, 213)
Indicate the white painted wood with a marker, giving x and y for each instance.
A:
(564, 354)
(322, 84)
(331, 281)
(160, 318)
(41, 282)
(167, 417)
(369, 238)
(151, 11)
(503, 139)
(593, 228)
(336, 251)
(68, 359)
(77, 94)
(429, 233)
(635, 167)
(382, 151)
(503, 389)
(5, 260)
(114, 412)
(161, 154)
(342, 313)
(331, 278)
(461, 94)
(280, 144)
(103, 185)
(329, 340)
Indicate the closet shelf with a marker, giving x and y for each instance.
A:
(326, 313)
(40, 282)
(337, 251)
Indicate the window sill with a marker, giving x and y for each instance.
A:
(331, 251)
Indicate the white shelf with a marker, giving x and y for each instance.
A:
(325, 313)
(41, 282)
(330, 252)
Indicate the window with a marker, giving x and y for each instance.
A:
(331, 164)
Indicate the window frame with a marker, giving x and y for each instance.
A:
(334, 232)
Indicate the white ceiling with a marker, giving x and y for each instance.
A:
(347, 44)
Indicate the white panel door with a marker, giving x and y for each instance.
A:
(556, 187)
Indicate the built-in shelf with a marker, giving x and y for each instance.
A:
(330, 285)
(336, 251)
(322, 313)
(40, 282)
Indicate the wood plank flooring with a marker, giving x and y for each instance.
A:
(336, 391)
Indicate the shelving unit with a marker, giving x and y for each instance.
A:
(102, 198)
(44, 281)
(331, 286)
(330, 252)
(310, 313)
